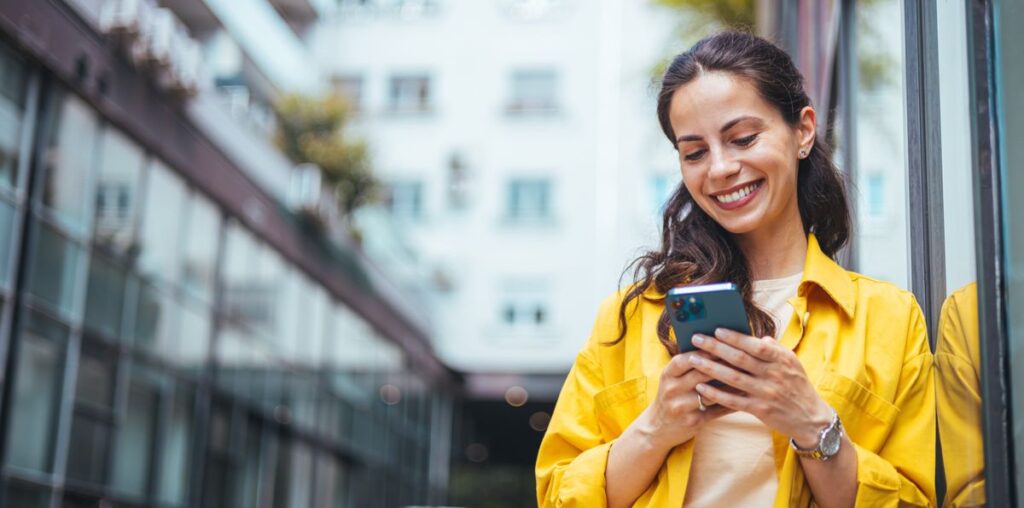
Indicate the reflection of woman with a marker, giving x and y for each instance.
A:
(842, 371)
(957, 359)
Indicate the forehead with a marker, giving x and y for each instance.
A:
(714, 98)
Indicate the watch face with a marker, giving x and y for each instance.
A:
(831, 440)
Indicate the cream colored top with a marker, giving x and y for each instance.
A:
(733, 463)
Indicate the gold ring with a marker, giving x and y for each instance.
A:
(700, 404)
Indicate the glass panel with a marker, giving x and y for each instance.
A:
(156, 319)
(249, 470)
(1009, 74)
(162, 224)
(13, 84)
(117, 192)
(135, 437)
(25, 496)
(105, 296)
(96, 370)
(40, 365)
(53, 266)
(87, 457)
(957, 353)
(174, 451)
(191, 347)
(201, 248)
(881, 187)
(70, 152)
(244, 299)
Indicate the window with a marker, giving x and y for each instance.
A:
(528, 199)
(162, 223)
(68, 158)
(525, 306)
(200, 251)
(533, 91)
(133, 451)
(54, 267)
(93, 414)
(880, 144)
(410, 94)
(37, 388)
(105, 296)
(351, 88)
(404, 199)
(117, 187)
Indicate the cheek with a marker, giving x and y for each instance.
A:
(693, 179)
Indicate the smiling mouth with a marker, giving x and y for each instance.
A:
(737, 195)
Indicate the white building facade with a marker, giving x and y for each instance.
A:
(520, 148)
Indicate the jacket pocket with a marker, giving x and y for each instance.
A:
(858, 406)
(619, 404)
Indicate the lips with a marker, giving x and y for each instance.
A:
(738, 197)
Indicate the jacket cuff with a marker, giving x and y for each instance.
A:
(880, 484)
(583, 483)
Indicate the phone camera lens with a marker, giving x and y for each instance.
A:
(681, 314)
(694, 306)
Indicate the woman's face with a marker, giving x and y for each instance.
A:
(737, 154)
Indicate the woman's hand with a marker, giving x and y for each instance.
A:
(773, 383)
(675, 416)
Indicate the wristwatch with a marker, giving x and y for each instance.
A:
(828, 442)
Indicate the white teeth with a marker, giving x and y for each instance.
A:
(740, 194)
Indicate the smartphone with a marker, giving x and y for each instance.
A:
(702, 309)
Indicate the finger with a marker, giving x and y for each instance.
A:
(716, 411)
(734, 356)
(758, 348)
(723, 398)
(688, 381)
(678, 365)
(724, 373)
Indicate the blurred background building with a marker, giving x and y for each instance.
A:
(196, 311)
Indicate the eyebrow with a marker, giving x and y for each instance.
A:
(728, 125)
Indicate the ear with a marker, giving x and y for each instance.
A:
(805, 129)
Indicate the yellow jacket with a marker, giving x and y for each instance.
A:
(864, 345)
(957, 358)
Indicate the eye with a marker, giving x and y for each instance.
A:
(695, 155)
(746, 141)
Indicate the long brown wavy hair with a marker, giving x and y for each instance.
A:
(694, 248)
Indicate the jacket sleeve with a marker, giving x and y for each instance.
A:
(572, 458)
(902, 471)
(958, 399)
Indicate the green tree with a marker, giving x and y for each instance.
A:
(313, 130)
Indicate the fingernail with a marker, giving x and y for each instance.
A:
(694, 359)
(719, 332)
(700, 387)
(697, 339)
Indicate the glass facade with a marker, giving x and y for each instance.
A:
(166, 355)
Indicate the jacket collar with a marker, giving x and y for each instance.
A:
(819, 270)
(825, 273)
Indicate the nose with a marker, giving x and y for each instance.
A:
(721, 165)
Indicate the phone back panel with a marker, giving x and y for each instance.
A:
(702, 309)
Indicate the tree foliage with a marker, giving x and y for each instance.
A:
(313, 130)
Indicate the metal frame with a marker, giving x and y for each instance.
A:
(924, 159)
(995, 378)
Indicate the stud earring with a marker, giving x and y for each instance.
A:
(803, 154)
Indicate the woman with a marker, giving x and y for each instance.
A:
(836, 358)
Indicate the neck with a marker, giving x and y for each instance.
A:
(775, 252)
